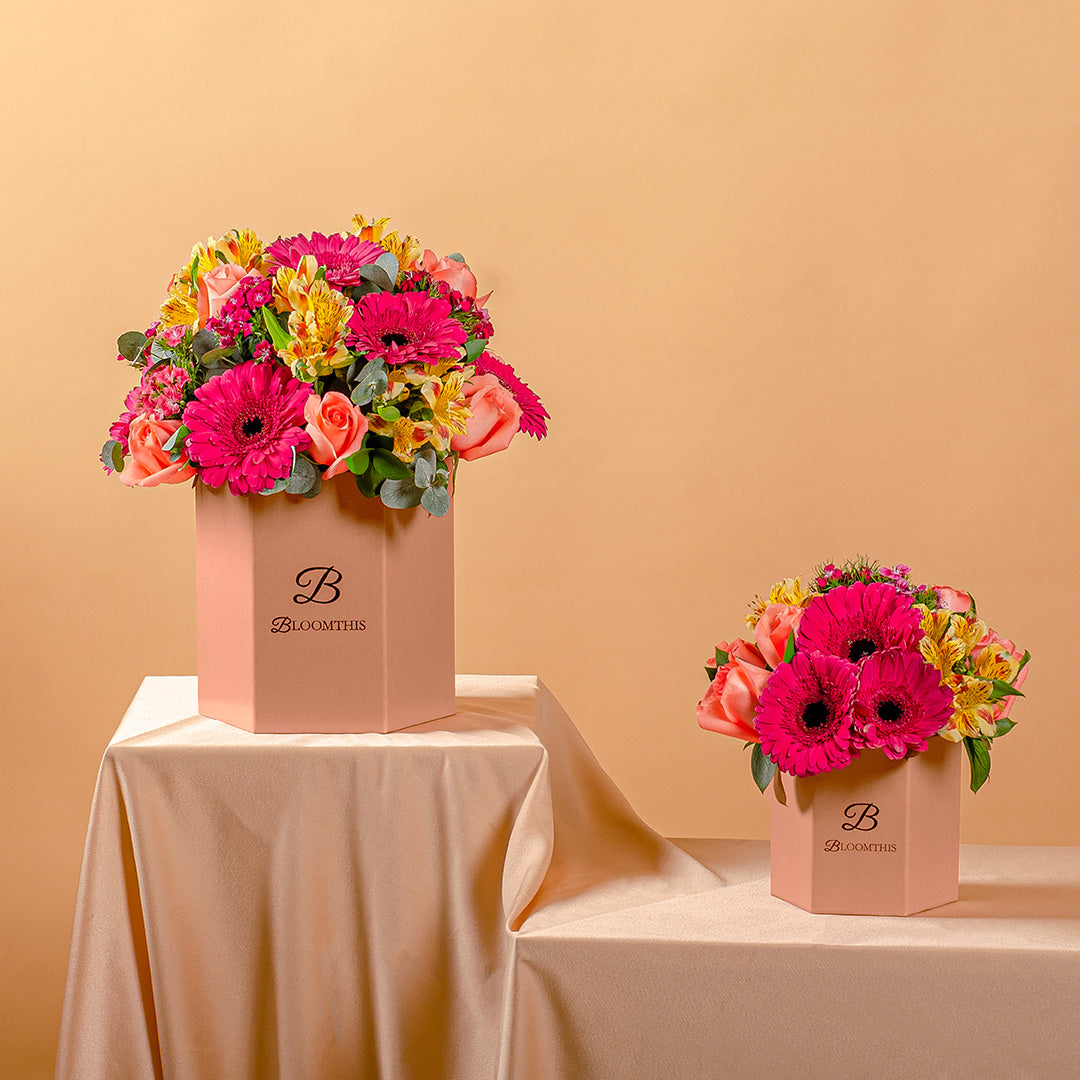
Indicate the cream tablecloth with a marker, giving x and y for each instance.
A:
(474, 899)
(324, 906)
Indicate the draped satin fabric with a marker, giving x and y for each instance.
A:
(333, 906)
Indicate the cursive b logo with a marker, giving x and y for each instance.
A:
(864, 815)
(320, 581)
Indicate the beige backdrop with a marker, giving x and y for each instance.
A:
(795, 280)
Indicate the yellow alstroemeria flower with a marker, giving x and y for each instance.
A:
(446, 399)
(408, 435)
(317, 325)
(292, 284)
(405, 249)
(786, 591)
(973, 715)
(243, 247)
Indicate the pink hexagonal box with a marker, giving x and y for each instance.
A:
(331, 614)
(878, 837)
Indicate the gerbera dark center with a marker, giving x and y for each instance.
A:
(859, 648)
(395, 339)
(252, 426)
(889, 711)
(815, 714)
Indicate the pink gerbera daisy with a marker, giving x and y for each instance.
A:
(854, 621)
(340, 256)
(405, 328)
(534, 416)
(805, 714)
(900, 703)
(245, 424)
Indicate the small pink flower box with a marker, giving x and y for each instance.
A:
(878, 837)
(331, 614)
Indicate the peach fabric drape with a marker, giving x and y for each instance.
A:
(474, 899)
(333, 906)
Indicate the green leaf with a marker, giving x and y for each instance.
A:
(978, 753)
(1024, 662)
(1003, 690)
(358, 463)
(425, 465)
(204, 341)
(457, 257)
(389, 413)
(161, 354)
(761, 768)
(221, 256)
(789, 648)
(721, 658)
(303, 478)
(279, 336)
(130, 345)
(368, 483)
(436, 501)
(399, 494)
(176, 439)
(365, 288)
(112, 455)
(474, 347)
(278, 485)
(193, 269)
(390, 467)
(1003, 726)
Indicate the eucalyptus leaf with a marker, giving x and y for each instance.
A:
(129, 345)
(365, 288)
(377, 275)
(161, 354)
(358, 463)
(314, 489)
(979, 759)
(424, 471)
(389, 263)
(761, 767)
(436, 501)
(112, 455)
(303, 478)
(457, 257)
(399, 494)
(390, 467)
(203, 341)
(474, 347)
(278, 485)
(214, 357)
(370, 380)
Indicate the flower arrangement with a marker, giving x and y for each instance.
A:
(861, 660)
(273, 367)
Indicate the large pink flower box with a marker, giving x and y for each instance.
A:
(331, 614)
(878, 837)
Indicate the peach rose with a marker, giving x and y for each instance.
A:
(953, 599)
(456, 274)
(337, 429)
(149, 464)
(216, 286)
(777, 622)
(731, 700)
(495, 419)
